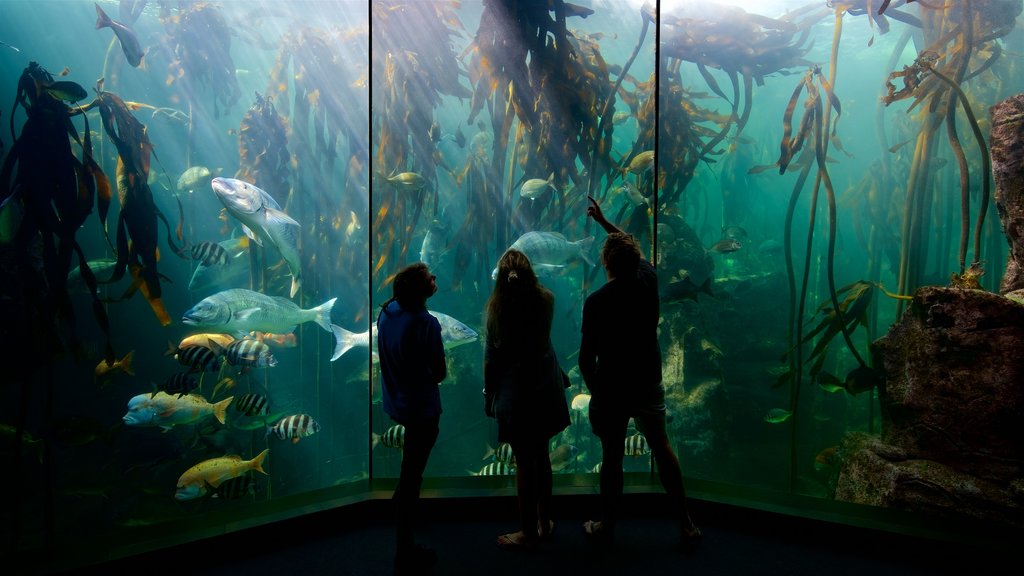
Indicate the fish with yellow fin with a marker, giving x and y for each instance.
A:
(198, 480)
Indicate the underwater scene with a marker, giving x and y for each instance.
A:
(204, 205)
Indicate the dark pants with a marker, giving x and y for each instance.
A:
(610, 426)
(420, 437)
(533, 484)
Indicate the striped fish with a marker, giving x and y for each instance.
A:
(503, 453)
(248, 352)
(253, 405)
(636, 445)
(233, 488)
(181, 383)
(394, 437)
(209, 254)
(294, 427)
(495, 469)
(198, 358)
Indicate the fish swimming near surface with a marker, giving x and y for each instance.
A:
(197, 481)
(238, 311)
(453, 333)
(262, 220)
(551, 248)
(133, 51)
(167, 410)
(534, 187)
(777, 416)
(294, 427)
(636, 445)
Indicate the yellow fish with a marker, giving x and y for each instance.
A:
(642, 162)
(199, 479)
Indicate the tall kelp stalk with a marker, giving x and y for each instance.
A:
(413, 66)
(954, 35)
(319, 83)
(531, 72)
(198, 44)
(47, 194)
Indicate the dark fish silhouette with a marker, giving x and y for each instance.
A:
(129, 42)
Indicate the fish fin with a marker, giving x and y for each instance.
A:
(706, 288)
(257, 462)
(102, 20)
(322, 314)
(279, 217)
(374, 440)
(338, 342)
(585, 245)
(244, 314)
(126, 363)
(172, 349)
(344, 341)
(295, 440)
(296, 282)
(252, 236)
(220, 409)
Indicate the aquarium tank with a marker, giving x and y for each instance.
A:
(204, 205)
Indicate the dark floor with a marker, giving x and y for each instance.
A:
(358, 540)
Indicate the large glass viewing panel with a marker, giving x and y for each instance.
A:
(284, 160)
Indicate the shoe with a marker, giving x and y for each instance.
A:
(516, 541)
(415, 560)
(691, 538)
(544, 534)
(595, 531)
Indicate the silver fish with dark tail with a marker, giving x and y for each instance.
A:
(239, 311)
(262, 219)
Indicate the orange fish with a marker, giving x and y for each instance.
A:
(104, 368)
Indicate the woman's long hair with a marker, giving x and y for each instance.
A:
(520, 310)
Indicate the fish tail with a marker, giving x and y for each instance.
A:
(126, 363)
(339, 342)
(585, 248)
(374, 440)
(257, 462)
(102, 20)
(344, 340)
(322, 313)
(171, 349)
(706, 287)
(220, 409)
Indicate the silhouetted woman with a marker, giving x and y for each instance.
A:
(523, 389)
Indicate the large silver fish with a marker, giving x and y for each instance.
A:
(433, 243)
(453, 333)
(239, 311)
(262, 219)
(546, 249)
